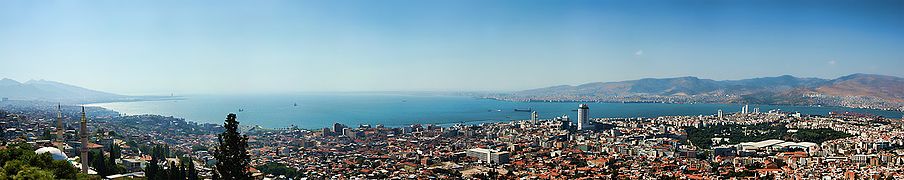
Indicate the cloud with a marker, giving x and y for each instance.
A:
(638, 53)
(832, 62)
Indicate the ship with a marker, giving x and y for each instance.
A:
(524, 110)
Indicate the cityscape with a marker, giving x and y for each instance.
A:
(402, 89)
(746, 143)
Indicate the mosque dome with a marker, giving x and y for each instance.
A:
(55, 153)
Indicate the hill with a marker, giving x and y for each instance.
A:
(52, 91)
(856, 90)
(886, 87)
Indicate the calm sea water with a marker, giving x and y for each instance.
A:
(322, 110)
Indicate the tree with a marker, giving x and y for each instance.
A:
(115, 151)
(153, 170)
(278, 169)
(192, 173)
(174, 172)
(33, 173)
(231, 154)
(98, 162)
(18, 161)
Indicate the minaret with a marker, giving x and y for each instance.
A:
(83, 134)
(59, 132)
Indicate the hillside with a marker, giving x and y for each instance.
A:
(856, 90)
(51, 91)
(886, 87)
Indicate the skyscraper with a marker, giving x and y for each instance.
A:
(744, 109)
(83, 134)
(720, 113)
(534, 116)
(583, 117)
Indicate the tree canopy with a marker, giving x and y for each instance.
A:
(232, 156)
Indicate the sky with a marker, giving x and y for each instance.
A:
(162, 47)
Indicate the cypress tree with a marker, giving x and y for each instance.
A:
(153, 171)
(192, 173)
(111, 162)
(173, 171)
(98, 162)
(231, 154)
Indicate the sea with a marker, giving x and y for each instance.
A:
(319, 110)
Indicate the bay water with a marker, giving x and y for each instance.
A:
(318, 110)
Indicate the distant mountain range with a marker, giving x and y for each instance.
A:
(43, 90)
(864, 88)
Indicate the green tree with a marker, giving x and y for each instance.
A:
(231, 154)
(278, 169)
(153, 170)
(20, 162)
(192, 172)
(115, 151)
(33, 173)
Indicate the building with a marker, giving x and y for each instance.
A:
(55, 153)
(720, 113)
(325, 132)
(350, 133)
(83, 135)
(59, 127)
(338, 128)
(133, 165)
(773, 145)
(534, 116)
(489, 156)
(583, 117)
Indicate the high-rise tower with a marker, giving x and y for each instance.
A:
(534, 116)
(583, 117)
(83, 134)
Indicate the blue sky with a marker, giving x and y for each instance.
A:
(158, 47)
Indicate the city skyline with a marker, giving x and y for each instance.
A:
(137, 48)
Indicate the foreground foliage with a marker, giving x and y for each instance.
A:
(20, 162)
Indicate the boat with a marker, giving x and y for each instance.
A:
(240, 110)
(296, 104)
(524, 110)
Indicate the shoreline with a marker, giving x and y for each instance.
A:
(478, 120)
(662, 102)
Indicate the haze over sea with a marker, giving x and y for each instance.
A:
(318, 110)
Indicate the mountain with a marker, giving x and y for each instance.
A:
(52, 91)
(865, 89)
(678, 86)
(886, 87)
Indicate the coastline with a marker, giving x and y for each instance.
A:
(663, 102)
(318, 111)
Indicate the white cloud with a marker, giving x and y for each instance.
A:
(638, 53)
